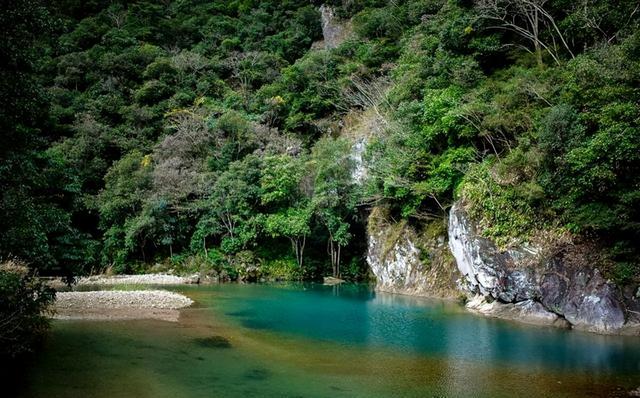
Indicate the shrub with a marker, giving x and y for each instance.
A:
(282, 270)
(503, 210)
(24, 301)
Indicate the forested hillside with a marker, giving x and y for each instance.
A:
(215, 135)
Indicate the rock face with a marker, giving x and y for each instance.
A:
(333, 31)
(563, 288)
(406, 263)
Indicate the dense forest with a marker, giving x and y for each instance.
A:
(215, 135)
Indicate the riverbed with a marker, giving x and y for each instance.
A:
(306, 340)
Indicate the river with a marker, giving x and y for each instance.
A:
(306, 340)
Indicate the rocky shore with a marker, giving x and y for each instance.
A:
(120, 305)
(546, 282)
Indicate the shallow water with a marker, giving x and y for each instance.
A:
(323, 341)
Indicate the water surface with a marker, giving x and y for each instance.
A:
(297, 340)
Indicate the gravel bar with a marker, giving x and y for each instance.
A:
(120, 305)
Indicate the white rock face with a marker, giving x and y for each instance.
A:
(470, 254)
(400, 271)
(521, 284)
(357, 151)
(401, 267)
(333, 31)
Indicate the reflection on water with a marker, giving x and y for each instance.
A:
(323, 341)
(357, 315)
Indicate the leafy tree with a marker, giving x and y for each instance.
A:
(230, 206)
(282, 184)
(126, 184)
(333, 193)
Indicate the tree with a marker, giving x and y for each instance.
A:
(24, 229)
(179, 172)
(293, 223)
(530, 20)
(282, 189)
(230, 206)
(127, 184)
(333, 193)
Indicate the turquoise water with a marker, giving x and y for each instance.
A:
(354, 315)
(324, 341)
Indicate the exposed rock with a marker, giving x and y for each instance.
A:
(402, 265)
(358, 127)
(334, 31)
(330, 281)
(118, 305)
(357, 151)
(527, 311)
(524, 284)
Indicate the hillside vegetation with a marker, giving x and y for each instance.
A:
(206, 134)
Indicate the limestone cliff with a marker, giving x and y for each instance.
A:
(406, 261)
(559, 285)
(562, 286)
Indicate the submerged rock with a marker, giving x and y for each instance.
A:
(213, 342)
(523, 284)
(330, 281)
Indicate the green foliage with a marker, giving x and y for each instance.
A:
(25, 301)
(140, 131)
(282, 270)
(503, 209)
(334, 196)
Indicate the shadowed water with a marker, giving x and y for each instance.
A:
(323, 341)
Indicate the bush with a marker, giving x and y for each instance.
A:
(502, 208)
(24, 301)
(282, 270)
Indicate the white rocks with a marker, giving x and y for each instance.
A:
(331, 281)
(474, 256)
(399, 270)
(115, 305)
(123, 299)
(359, 173)
(528, 311)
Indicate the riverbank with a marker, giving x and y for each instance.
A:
(120, 305)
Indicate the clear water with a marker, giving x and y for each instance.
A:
(324, 341)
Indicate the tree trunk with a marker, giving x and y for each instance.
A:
(204, 245)
(538, 51)
(304, 241)
(334, 252)
(338, 262)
